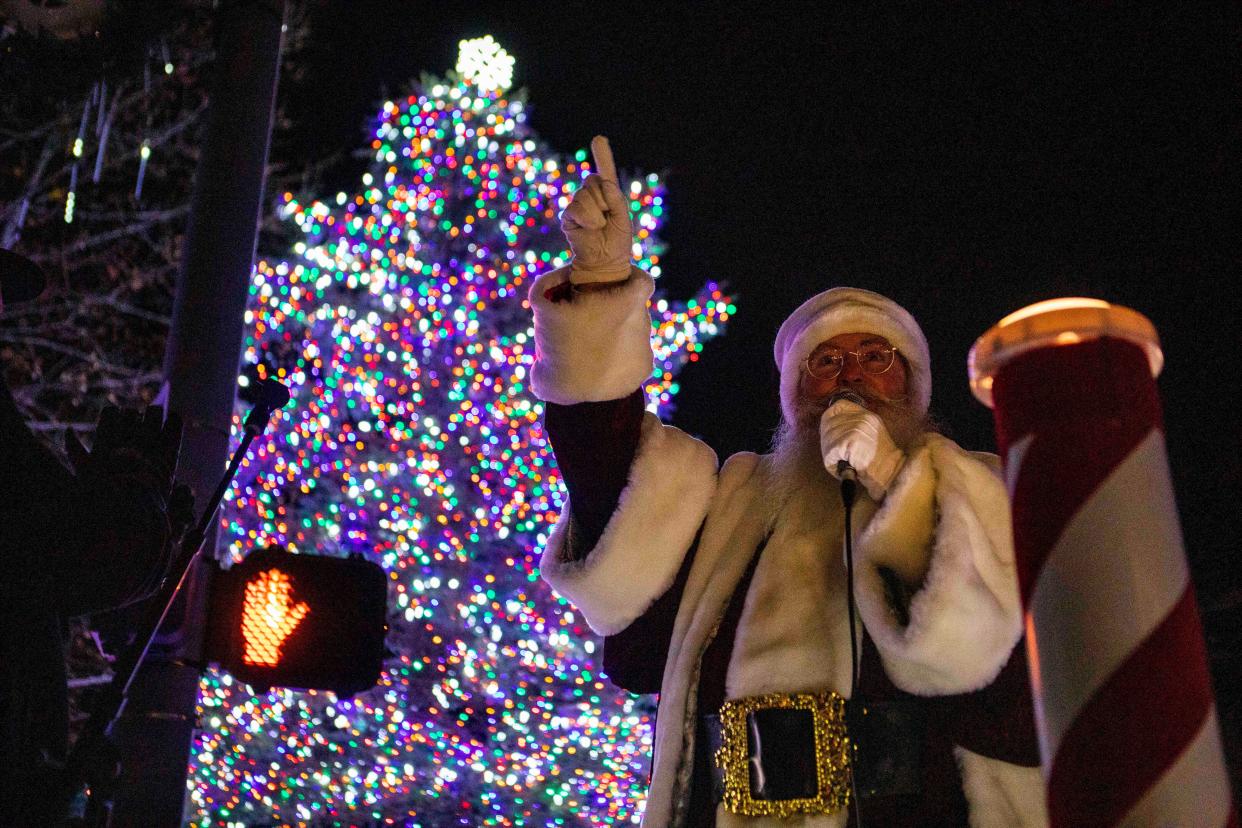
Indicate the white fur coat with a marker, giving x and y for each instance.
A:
(943, 528)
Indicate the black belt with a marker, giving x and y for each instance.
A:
(886, 742)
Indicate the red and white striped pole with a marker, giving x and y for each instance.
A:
(1123, 701)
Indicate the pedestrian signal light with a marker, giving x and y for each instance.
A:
(268, 617)
(303, 621)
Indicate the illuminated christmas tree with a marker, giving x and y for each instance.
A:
(400, 323)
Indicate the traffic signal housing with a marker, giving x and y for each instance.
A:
(280, 619)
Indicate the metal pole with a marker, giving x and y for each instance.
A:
(200, 375)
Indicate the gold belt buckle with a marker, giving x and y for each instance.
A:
(832, 754)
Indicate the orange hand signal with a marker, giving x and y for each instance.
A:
(269, 617)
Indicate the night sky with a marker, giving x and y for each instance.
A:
(965, 160)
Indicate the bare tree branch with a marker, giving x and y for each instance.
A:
(53, 425)
(51, 345)
(127, 309)
(89, 681)
(12, 226)
(14, 138)
(99, 239)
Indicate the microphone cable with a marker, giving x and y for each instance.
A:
(849, 490)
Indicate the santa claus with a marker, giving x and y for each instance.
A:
(730, 590)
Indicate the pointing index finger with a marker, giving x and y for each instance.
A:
(601, 153)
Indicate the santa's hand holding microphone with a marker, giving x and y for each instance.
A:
(854, 439)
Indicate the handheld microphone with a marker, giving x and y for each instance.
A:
(844, 470)
(20, 279)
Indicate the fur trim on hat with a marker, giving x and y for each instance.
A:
(671, 484)
(592, 346)
(850, 310)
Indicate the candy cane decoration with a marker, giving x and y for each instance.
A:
(1124, 707)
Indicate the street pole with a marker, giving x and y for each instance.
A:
(200, 382)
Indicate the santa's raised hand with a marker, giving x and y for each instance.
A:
(597, 223)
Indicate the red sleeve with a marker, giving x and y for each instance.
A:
(999, 720)
(595, 444)
(634, 658)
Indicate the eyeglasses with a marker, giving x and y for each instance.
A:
(826, 362)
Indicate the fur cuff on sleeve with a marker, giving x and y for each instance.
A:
(592, 346)
(1001, 795)
(945, 531)
(662, 506)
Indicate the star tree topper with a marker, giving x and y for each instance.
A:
(486, 63)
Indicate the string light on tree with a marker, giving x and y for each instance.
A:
(401, 326)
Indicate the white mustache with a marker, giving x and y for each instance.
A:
(870, 400)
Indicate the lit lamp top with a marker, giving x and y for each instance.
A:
(1054, 322)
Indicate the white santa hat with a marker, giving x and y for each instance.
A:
(850, 310)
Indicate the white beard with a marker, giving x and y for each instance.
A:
(797, 464)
